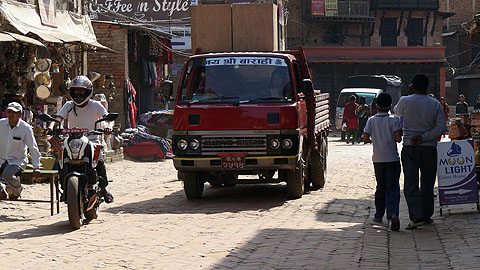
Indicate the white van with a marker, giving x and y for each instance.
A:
(344, 98)
(368, 86)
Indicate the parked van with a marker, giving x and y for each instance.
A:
(368, 86)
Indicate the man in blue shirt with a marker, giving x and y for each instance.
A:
(423, 123)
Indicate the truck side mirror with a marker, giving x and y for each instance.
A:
(307, 86)
(167, 88)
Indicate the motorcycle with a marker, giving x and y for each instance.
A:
(78, 159)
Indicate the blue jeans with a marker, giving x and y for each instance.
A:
(420, 201)
(387, 194)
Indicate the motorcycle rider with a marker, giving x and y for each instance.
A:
(82, 112)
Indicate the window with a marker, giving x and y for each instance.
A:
(388, 31)
(334, 34)
(415, 32)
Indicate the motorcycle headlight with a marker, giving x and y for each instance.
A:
(287, 144)
(194, 144)
(182, 144)
(274, 144)
(339, 115)
(75, 146)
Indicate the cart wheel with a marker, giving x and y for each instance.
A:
(441, 212)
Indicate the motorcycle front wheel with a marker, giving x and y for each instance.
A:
(74, 203)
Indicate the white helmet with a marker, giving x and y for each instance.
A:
(81, 82)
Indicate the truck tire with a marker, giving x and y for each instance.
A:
(193, 185)
(295, 180)
(317, 172)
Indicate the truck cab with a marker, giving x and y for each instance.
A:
(243, 114)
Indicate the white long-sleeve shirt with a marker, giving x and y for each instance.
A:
(14, 142)
(422, 115)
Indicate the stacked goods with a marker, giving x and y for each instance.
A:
(475, 121)
(457, 130)
(235, 28)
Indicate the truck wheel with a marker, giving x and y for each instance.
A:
(295, 180)
(193, 185)
(180, 175)
(317, 172)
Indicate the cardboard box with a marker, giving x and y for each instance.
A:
(237, 27)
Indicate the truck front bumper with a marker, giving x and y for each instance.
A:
(252, 163)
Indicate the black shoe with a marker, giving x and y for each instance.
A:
(3, 194)
(63, 197)
(394, 223)
(428, 221)
(414, 224)
(107, 196)
(377, 220)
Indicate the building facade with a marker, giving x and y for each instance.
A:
(462, 53)
(367, 37)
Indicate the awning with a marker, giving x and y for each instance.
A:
(467, 76)
(7, 36)
(70, 26)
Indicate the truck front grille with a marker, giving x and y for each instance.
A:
(253, 145)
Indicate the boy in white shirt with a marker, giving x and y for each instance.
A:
(385, 131)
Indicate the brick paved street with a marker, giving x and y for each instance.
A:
(151, 225)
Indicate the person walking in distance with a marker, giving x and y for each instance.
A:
(385, 131)
(362, 113)
(350, 119)
(423, 123)
(462, 106)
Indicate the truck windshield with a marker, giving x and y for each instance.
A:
(345, 98)
(236, 79)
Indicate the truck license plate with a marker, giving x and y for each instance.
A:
(233, 162)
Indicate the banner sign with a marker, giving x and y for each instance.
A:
(331, 8)
(46, 9)
(232, 61)
(318, 7)
(457, 178)
(145, 10)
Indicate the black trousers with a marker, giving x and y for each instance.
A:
(420, 200)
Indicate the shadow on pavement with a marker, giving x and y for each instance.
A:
(214, 200)
(61, 227)
(4, 218)
(334, 243)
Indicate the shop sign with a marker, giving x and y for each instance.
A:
(331, 8)
(457, 179)
(47, 12)
(241, 1)
(146, 10)
(318, 7)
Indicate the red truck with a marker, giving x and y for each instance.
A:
(250, 113)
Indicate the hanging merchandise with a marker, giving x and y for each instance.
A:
(155, 47)
(167, 51)
(132, 109)
(42, 78)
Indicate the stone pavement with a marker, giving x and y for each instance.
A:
(152, 226)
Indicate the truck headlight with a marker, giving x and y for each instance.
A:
(194, 144)
(182, 144)
(287, 144)
(274, 144)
